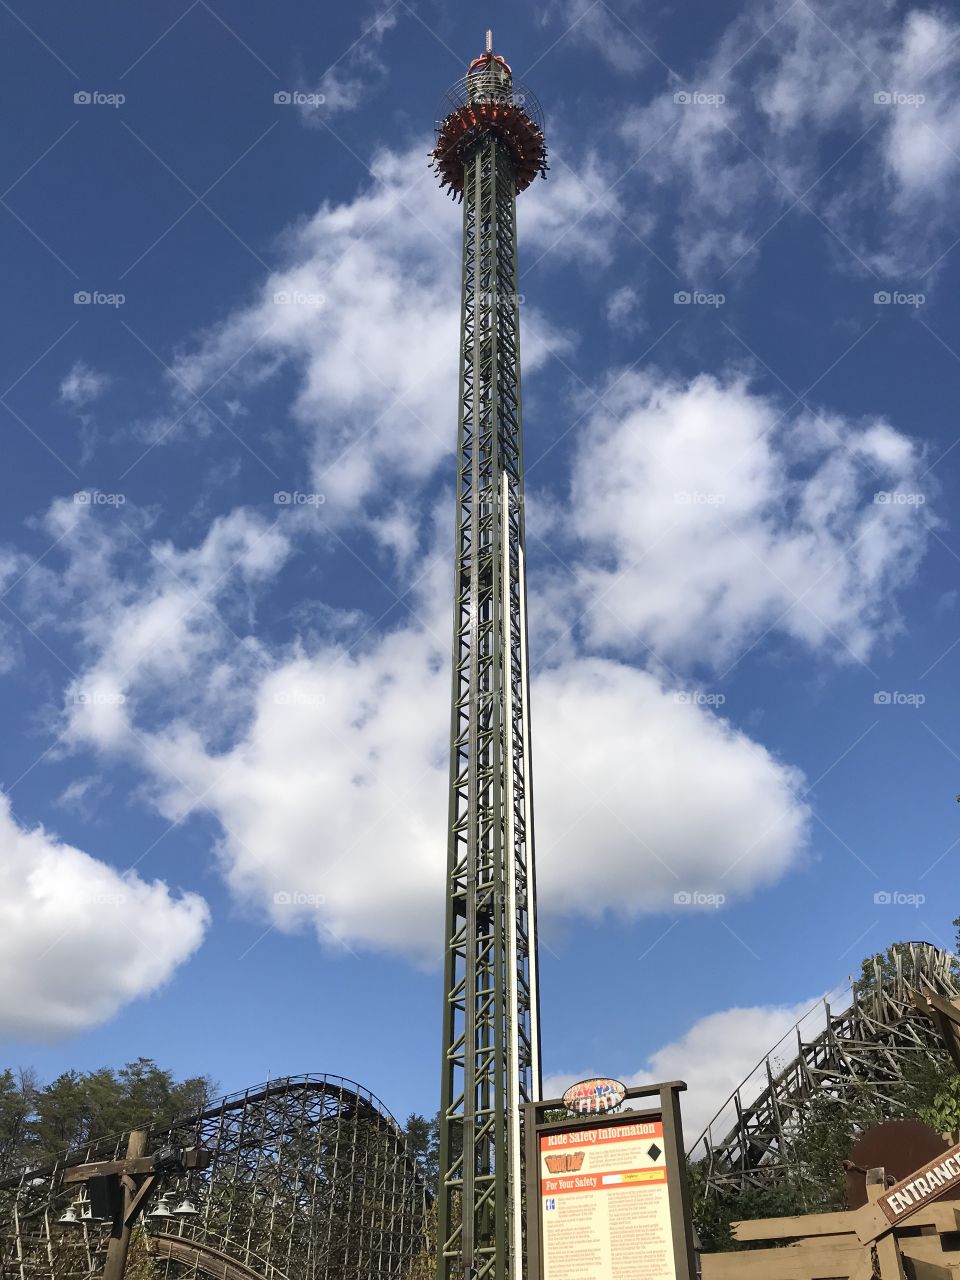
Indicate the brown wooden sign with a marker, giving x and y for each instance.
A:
(934, 1179)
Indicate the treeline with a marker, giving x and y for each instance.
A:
(37, 1121)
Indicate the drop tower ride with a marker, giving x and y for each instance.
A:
(489, 147)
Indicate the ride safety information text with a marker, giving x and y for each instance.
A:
(604, 1204)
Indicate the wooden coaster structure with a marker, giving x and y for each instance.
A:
(872, 1045)
(908, 1231)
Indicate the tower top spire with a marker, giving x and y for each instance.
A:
(489, 41)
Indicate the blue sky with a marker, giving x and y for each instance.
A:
(224, 758)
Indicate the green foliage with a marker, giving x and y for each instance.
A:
(828, 1130)
(943, 1112)
(424, 1265)
(17, 1094)
(423, 1140)
(141, 1265)
(37, 1121)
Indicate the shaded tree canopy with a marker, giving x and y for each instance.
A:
(423, 1139)
(39, 1120)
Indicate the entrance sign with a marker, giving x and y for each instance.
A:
(606, 1196)
(934, 1179)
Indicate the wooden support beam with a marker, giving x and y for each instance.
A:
(890, 1258)
(933, 1271)
(194, 1158)
(944, 1014)
(811, 1224)
(138, 1200)
(119, 1244)
(845, 1263)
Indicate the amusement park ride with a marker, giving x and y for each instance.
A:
(489, 147)
(310, 1177)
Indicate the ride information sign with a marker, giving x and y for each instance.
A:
(605, 1203)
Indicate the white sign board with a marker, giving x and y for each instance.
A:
(604, 1204)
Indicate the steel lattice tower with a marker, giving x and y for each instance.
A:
(489, 147)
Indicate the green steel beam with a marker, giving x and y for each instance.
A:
(491, 1060)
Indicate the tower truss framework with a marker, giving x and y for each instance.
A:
(489, 147)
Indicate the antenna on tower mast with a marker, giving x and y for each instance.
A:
(489, 41)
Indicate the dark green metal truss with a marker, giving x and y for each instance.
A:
(491, 1061)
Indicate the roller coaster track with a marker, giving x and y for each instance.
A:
(866, 1047)
(310, 1177)
(202, 1258)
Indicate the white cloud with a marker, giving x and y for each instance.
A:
(572, 217)
(345, 763)
(714, 1056)
(597, 24)
(358, 72)
(338, 757)
(623, 310)
(150, 616)
(368, 317)
(709, 517)
(78, 939)
(320, 755)
(800, 117)
(82, 385)
(324, 754)
(922, 142)
(642, 793)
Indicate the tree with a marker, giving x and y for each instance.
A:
(423, 1142)
(17, 1100)
(37, 1122)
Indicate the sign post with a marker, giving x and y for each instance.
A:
(606, 1195)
